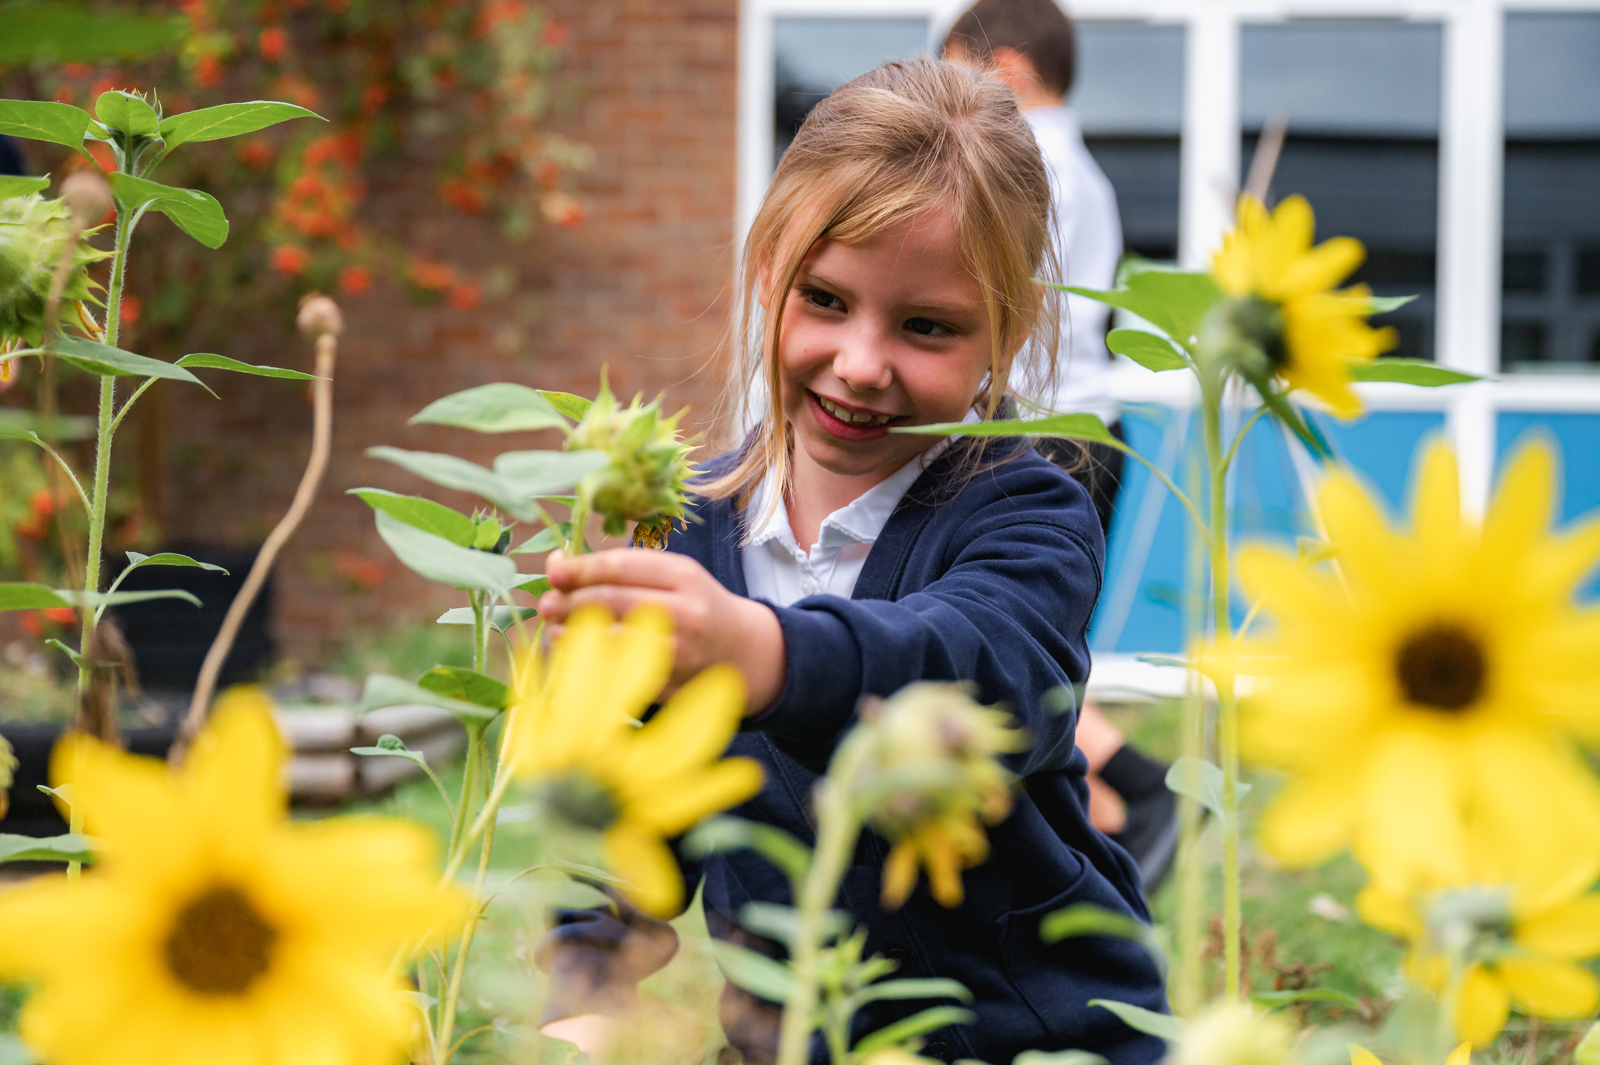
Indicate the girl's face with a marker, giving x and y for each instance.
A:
(889, 331)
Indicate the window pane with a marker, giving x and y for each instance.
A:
(1128, 93)
(1550, 307)
(1361, 99)
(814, 56)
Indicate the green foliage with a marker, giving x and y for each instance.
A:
(423, 513)
(1419, 372)
(196, 213)
(1160, 1025)
(466, 685)
(68, 848)
(909, 1028)
(206, 361)
(126, 112)
(448, 471)
(1200, 780)
(229, 120)
(1146, 349)
(91, 356)
(501, 407)
(32, 32)
(538, 474)
(15, 185)
(438, 559)
(45, 120)
(383, 690)
(1173, 301)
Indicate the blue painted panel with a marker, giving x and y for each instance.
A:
(1139, 607)
(1576, 437)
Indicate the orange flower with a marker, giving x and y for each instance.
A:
(466, 296)
(463, 195)
(273, 42)
(131, 308)
(289, 259)
(430, 276)
(355, 280)
(256, 153)
(208, 70)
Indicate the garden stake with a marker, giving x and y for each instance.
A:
(319, 317)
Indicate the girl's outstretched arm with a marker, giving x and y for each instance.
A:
(711, 624)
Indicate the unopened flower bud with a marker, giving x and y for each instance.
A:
(88, 196)
(1234, 1034)
(319, 316)
(34, 238)
(644, 480)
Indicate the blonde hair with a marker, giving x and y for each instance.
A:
(895, 143)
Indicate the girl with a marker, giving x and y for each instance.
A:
(888, 282)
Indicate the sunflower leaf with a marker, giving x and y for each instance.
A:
(69, 848)
(500, 620)
(721, 834)
(1200, 780)
(107, 361)
(780, 922)
(228, 120)
(756, 973)
(1276, 999)
(1421, 372)
(1173, 301)
(545, 540)
(908, 989)
(1146, 349)
(421, 512)
(544, 473)
(14, 185)
(574, 407)
(501, 407)
(1160, 1025)
(169, 558)
(1058, 1057)
(910, 1027)
(1071, 426)
(1385, 304)
(448, 471)
(384, 690)
(17, 595)
(467, 685)
(440, 560)
(196, 213)
(44, 120)
(204, 360)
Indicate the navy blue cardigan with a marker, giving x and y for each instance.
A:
(989, 578)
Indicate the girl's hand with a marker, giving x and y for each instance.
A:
(711, 624)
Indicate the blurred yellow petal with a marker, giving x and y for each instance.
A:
(899, 874)
(1309, 820)
(1524, 502)
(236, 763)
(1438, 497)
(1362, 1056)
(1555, 990)
(1482, 1008)
(1323, 267)
(689, 800)
(1569, 930)
(691, 729)
(650, 874)
(1461, 1055)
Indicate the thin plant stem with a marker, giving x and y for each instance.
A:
(1187, 990)
(468, 781)
(1238, 438)
(128, 405)
(75, 826)
(838, 828)
(447, 1008)
(1227, 706)
(578, 542)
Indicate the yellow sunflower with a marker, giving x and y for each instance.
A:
(1424, 695)
(1461, 1055)
(212, 929)
(575, 732)
(1525, 940)
(1284, 299)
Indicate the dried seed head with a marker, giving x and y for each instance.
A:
(87, 196)
(319, 316)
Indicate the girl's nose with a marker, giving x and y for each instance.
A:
(863, 364)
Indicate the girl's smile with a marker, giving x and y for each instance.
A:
(886, 331)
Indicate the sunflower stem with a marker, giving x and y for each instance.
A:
(447, 1008)
(838, 828)
(1187, 993)
(463, 810)
(1211, 393)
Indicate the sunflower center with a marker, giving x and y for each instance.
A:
(219, 943)
(1442, 667)
(1260, 322)
(581, 801)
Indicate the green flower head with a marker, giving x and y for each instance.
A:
(644, 480)
(33, 238)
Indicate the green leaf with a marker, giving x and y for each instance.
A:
(18, 596)
(68, 33)
(1385, 304)
(168, 558)
(543, 473)
(536, 584)
(77, 659)
(126, 113)
(424, 513)
(493, 408)
(910, 1027)
(201, 360)
(547, 539)
(44, 120)
(12, 185)
(756, 973)
(467, 685)
(106, 361)
(69, 848)
(1058, 1057)
(440, 560)
(383, 690)
(1587, 1051)
(1171, 300)
(781, 922)
(1146, 349)
(196, 213)
(447, 471)
(1200, 780)
(1276, 999)
(1160, 1025)
(500, 620)
(228, 120)
(1289, 415)
(1411, 372)
(23, 425)
(1087, 919)
(391, 746)
(574, 407)
(722, 834)
(97, 599)
(1164, 660)
(1071, 426)
(902, 990)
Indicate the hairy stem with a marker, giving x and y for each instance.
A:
(447, 1008)
(1187, 991)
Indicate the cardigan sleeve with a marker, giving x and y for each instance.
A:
(1009, 613)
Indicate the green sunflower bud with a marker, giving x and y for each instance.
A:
(34, 235)
(643, 482)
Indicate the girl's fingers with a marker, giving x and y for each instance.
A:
(623, 565)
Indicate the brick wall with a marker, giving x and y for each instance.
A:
(642, 287)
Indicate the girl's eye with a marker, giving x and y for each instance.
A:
(823, 299)
(927, 327)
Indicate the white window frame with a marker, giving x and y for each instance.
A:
(1471, 166)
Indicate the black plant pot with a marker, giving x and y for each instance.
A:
(32, 812)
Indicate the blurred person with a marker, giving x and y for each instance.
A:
(1030, 45)
(888, 280)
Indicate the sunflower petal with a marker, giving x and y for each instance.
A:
(1309, 820)
(1524, 503)
(1362, 1056)
(691, 729)
(1568, 930)
(671, 810)
(237, 761)
(645, 864)
(1556, 990)
(1437, 507)
(1482, 1008)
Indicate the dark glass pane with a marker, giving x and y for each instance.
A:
(1522, 341)
(1129, 98)
(1361, 101)
(1523, 271)
(814, 56)
(1552, 170)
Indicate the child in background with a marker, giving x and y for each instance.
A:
(888, 282)
(1030, 45)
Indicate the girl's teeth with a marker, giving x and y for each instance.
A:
(853, 417)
